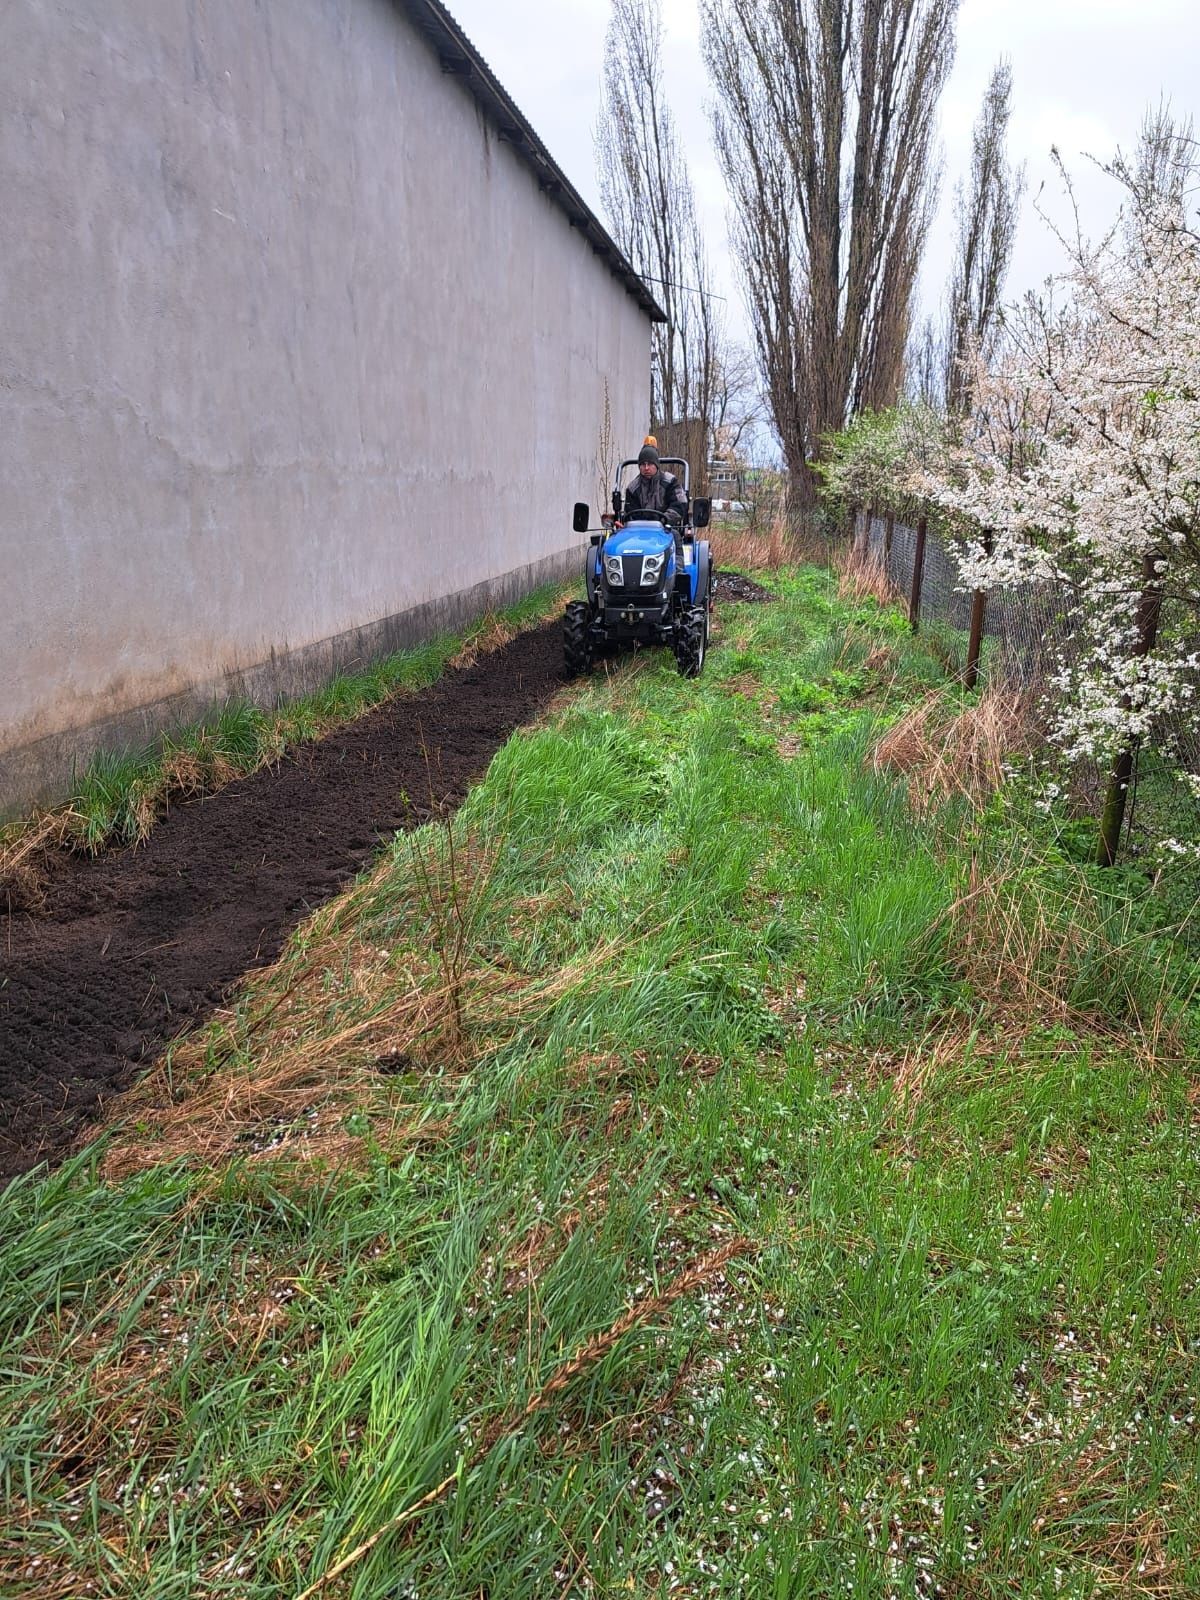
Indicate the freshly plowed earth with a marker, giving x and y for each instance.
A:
(732, 586)
(133, 946)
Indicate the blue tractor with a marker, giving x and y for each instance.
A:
(649, 581)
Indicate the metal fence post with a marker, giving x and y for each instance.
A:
(914, 603)
(888, 531)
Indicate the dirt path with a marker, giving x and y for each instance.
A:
(139, 943)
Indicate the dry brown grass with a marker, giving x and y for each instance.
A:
(1036, 954)
(183, 775)
(24, 850)
(946, 752)
(766, 546)
(325, 1029)
(492, 633)
(924, 1062)
(862, 576)
(1124, 1555)
(1040, 954)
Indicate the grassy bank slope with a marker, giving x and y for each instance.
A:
(688, 1174)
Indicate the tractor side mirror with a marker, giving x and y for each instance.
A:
(616, 502)
(701, 512)
(583, 516)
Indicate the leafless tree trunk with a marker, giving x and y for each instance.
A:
(925, 370)
(736, 402)
(987, 224)
(1165, 169)
(647, 193)
(824, 127)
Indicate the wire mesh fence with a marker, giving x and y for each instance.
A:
(1023, 632)
(1022, 636)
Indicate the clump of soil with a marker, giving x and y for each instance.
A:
(733, 586)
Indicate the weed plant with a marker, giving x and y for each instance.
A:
(693, 1170)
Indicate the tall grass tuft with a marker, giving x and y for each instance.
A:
(1044, 945)
(947, 747)
(861, 576)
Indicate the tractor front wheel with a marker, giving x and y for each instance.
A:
(691, 641)
(577, 642)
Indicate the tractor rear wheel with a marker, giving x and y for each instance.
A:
(577, 643)
(691, 641)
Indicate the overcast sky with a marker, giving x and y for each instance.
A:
(1083, 73)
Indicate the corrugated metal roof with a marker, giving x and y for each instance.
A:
(460, 59)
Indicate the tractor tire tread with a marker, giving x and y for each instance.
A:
(691, 641)
(577, 645)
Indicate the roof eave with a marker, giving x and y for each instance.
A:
(460, 59)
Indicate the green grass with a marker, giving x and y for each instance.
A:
(661, 987)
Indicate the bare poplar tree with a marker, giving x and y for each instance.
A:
(824, 127)
(647, 194)
(1165, 168)
(737, 400)
(986, 215)
(925, 367)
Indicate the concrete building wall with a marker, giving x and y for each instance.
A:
(297, 361)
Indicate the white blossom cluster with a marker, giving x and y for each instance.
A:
(864, 463)
(1082, 462)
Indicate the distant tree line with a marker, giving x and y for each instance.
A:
(824, 121)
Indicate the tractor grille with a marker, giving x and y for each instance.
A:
(631, 576)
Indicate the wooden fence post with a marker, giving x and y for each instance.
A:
(862, 533)
(1113, 815)
(975, 643)
(914, 603)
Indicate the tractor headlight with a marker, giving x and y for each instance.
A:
(614, 572)
(652, 566)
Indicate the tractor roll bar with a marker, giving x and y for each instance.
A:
(663, 461)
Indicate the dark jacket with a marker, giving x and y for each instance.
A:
(662, 492)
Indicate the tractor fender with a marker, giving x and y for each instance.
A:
(589, 573)
(703, 569)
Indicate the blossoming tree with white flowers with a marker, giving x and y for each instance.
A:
(870, 461)
(1081, 464)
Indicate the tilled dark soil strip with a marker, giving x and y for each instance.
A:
(139, 943)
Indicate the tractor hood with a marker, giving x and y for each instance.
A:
(639, 539)
(637, 560)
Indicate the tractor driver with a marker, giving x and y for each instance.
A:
(656, 490)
